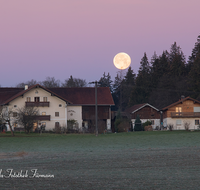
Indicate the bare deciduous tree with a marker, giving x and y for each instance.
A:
(74, 82)
(50, 82)
(6, 117)
(27, 116)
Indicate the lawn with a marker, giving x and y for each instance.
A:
(134, 160)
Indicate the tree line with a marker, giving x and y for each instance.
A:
(160, 81)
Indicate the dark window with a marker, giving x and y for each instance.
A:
(196, 122)
(44, 99)
(28, 99)
(57, 114)
(57, 124)
(37, 99)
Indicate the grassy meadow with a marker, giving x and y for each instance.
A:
(133, 160)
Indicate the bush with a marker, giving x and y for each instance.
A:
(170, 127)
(138, 126)
(187, 125)
(124, 126)
(148, 128)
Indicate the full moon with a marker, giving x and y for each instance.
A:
(122, 60)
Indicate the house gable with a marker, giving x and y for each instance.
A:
(145, 111)
(185, 106)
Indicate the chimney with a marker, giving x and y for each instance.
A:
(182, 97)
(26, 87)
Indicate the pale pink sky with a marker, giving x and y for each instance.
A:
(59, 38)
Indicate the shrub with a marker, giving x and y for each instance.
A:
(170, 127)
(187, 125)
(148, 128)
(124, 126)
(138, 125)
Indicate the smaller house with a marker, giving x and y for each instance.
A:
(146, 112)
(182, 114)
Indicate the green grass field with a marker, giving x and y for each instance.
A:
(134, 160)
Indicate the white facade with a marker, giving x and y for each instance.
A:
(180, 123)
(155, 122)
(53, 109)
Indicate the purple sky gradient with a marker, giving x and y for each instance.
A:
(59, 38)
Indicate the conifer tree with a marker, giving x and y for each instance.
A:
(177, 61)
(106, 81)
(141, 91)
(138, 124)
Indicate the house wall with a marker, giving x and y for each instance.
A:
(146, 112)
(88, 112)
(156, 122)
(187, 106)
(179, 122)
(75, 113)
(180, 125)
(53, 106)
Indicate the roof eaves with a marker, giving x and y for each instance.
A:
(182, 100)
(142, 106)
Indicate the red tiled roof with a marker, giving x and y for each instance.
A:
(85, 96)
(76, 96)
(180, 101)
(7, 93)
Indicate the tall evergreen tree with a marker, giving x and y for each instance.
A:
(194, 54)
(177, 61)
(106, 81)
(194, 76)
(159, 67)
(141, 91)
(117, 89)
(128, 84)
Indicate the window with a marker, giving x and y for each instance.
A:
(152, 122)
(14, 114)
(60, 105)
(57, 114)
(28, 99)
(57, 124)
(196, 122)
(37, 99)
(43, 113)
(15, 106)
(44, 99)
(178, 122)
(15, 125)
(178, 109)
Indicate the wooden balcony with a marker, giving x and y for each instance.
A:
(43, 117)
(185, 114)
(37, 104)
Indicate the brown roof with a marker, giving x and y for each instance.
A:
(138, 107)
(7, 93)
(180, 101)
(76, 96)
(85, 96)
